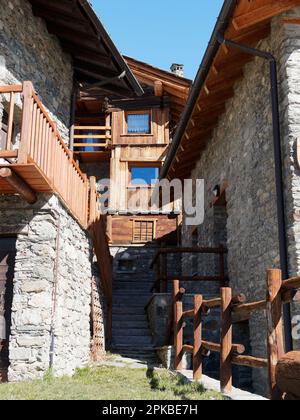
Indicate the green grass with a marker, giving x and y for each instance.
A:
(108, 383)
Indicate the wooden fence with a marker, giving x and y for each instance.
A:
(278, 293)
(160, 262)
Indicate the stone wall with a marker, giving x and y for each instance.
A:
(240, 153)
(29, 52)
(52, 288)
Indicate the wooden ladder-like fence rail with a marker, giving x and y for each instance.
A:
(160, 261)
(278, 293)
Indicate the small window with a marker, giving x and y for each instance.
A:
(144, 175)
(139, 123)
(144, 231)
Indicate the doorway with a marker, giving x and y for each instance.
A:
(7, 266)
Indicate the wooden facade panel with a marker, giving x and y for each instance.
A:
(123, 233)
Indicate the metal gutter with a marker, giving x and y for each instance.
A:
(280, 200)
(99, 28)
(212, 49)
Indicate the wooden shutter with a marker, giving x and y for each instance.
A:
(144, 231)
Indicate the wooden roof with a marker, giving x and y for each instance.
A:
(81, 34)
(248, 22)
(175, 87)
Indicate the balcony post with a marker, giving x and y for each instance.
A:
(26, 123)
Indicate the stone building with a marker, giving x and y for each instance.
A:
(46, 251)
(226, 138)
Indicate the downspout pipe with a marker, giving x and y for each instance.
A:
(281, 216)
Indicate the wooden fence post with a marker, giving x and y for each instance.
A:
(178, 325)
(26, 123)
(226, 341)
(275, 328)
(197, 356)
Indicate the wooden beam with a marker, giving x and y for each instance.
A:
(265, 12)
(249, 361)
(19, 185)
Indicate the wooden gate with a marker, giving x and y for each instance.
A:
(7, 263)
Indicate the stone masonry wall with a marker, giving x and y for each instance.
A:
(241, 153)
(29, 52)
(52, 288)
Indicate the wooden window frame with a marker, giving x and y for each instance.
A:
(132, 165)
(154, 236)
(125, 123)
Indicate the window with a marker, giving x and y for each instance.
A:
(144, 175)
(139, 123)
(144, 231)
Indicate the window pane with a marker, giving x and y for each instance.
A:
(138, 123)
(148, 175)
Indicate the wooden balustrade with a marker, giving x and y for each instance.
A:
(91, 138)
(160, 261)
(45, 154)
(233, 354)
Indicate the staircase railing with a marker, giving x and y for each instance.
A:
(42, 145)
(278, 293)
(97, 230)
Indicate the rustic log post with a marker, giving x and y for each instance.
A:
(19, 185)
(226, 341)
(197, 356)
(275, 328)
(178, 336)
(178, 325)
(26, 123)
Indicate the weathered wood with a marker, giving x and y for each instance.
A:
(292, 283)
(19, 185)
(197, 356)
(26, 123)
(216, 303)
(288, 374)
(216, 348)
(250, 361)
(248, 308)
(226, 341)
(178, 336)
(274, 327)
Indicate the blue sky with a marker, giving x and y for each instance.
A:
(161, 32)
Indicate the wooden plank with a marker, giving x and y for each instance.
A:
(226, 341)
(6, 154)
(275, 328)
(11, 88)
(249, 361)
(10, 121)
(19, 185)
(260, 14)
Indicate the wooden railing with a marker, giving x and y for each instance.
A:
(278, 293)
(160, 261)
(42, 145)
(97, 229)
(92, 138)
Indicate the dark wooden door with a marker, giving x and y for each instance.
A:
(7, 264)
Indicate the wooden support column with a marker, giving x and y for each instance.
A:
(226, 341)
(26, 123)
(19, 185)
(178, 336)
(275, 328)
(197, 356)
(178, 325)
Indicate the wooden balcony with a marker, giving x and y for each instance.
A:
(36, 157)
(92, 143)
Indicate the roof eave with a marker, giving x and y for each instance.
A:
(211, 51)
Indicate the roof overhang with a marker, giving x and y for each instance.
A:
(95, 57)
(243, 21)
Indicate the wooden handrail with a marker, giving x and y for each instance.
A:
(278, 293)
